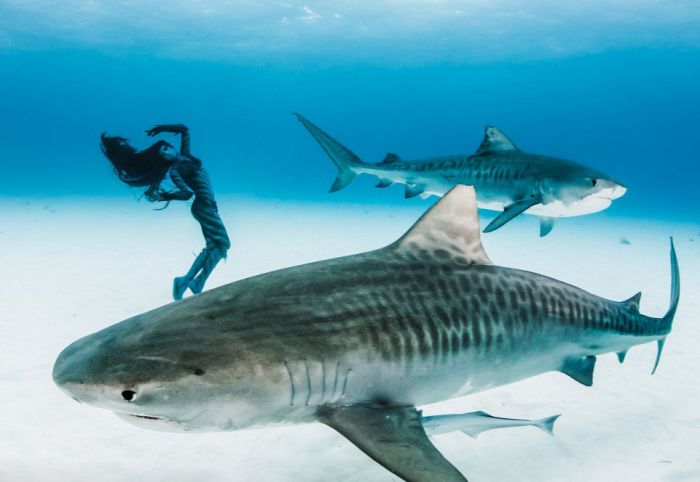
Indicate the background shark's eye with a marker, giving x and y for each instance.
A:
(594, 181)
(198, 371)
(128, 395)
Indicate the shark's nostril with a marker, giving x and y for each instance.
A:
(128, 395)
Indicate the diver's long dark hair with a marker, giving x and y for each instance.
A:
(137, 168)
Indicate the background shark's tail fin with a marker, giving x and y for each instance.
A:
(344, 159)
(667, 320)
(547, 424)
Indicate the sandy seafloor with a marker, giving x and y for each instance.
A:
(72, 266)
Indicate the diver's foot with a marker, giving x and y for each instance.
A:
(197, 285)
(180, 286)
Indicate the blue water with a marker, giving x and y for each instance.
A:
(627, 104)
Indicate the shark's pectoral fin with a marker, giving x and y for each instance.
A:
(546, 225)
(580, 369)
(413, 190)
(510, 211)
(393, 437)
(384, 182)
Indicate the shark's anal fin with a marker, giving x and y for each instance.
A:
(546, 225)
(580, 369)
(394, 438)
(510, 211)
(448, 230)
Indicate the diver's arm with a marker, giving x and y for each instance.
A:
(182, 193)
(175, 129)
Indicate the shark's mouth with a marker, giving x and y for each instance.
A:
(152, 422)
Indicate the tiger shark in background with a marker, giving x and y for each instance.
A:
(357, 343)
(506, 179)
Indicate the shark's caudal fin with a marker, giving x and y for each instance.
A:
(667, 320)
(449, 229)
(344, 159)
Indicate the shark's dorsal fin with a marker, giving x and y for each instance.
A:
(495, 141)
(633, 302)
(449, 228)
(390, 157)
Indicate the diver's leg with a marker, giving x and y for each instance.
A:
(181, 283)
(214, 256)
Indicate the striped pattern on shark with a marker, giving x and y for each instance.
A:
(506, 178)
(357, 343)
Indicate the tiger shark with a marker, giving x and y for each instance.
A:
(506, 178)
(357, 343)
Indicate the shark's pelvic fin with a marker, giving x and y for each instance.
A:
(413, 190)
(495, 141)
(344, 159)
(546, 225)
(393, 437)
(390, 157)
(450, 227)
(580, 369)
(675, 296)
(621, 356)
(384, 182)
(512, 210)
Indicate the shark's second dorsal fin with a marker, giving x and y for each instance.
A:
(633, 302)
(449, 229)
(495, 141)
(390, 157)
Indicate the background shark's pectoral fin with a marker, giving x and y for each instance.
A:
(413, 190)
(384, 182)
(393, 437)
(580, 369)
(546, 225)
(621, 356)
(510, 211)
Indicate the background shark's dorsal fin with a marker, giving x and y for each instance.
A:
(449, 228)
(495, 141)
(390, 157)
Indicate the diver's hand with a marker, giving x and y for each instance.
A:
(154, 131)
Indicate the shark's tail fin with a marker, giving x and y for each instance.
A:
(667, 320)
(344, 159)
(547, 424)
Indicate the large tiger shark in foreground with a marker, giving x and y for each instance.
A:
(506, 178)
(357, 343)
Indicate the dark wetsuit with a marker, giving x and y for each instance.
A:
(189, 178)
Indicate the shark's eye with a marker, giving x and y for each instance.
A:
(594, 181)
(128, 395)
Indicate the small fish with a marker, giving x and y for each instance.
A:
(473, 423)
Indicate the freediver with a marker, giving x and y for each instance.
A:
(149, 167)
